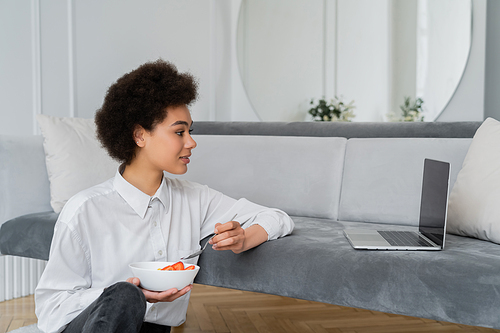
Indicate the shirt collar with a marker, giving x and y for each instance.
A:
(138, 200)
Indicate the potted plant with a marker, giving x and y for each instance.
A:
(411, 110)
(335, 110)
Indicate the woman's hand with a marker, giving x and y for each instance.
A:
(169, 295)
(231, 236)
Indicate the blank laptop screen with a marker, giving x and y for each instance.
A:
(434, 200)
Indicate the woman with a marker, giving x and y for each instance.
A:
(141, 215)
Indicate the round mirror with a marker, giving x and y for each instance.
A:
(373, 52)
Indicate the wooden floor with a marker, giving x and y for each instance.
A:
(214, 309)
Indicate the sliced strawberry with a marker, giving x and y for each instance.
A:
(189, 268)
(178, 266)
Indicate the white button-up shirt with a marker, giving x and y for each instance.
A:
(101, 230)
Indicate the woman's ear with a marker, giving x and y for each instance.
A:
(139, 132)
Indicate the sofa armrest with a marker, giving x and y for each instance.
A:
(28, 235)
(23, 176)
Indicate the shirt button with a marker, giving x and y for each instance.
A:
(154, 224)
(160, 252)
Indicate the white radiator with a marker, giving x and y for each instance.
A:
(19, 276)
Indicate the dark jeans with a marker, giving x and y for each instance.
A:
(120, 309)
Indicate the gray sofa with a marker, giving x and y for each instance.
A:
(327, 176)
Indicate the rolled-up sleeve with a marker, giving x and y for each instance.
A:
(276, 222)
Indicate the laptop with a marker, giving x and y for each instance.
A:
(432, 223)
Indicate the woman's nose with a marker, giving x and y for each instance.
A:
(191, 144)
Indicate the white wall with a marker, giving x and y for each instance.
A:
(363, 56)
(404, 50)
(363, 50)
(18, 72)
(114, 37)
(292, 51)
(492, 81)
(58, 57)
(467, 104)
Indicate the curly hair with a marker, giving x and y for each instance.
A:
(141, 97)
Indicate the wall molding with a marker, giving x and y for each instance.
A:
(330, 48)
(241, 106)
(36, 62)
(71, 61)
(212, 111)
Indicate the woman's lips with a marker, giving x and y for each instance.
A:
(185, 159)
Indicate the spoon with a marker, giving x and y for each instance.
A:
(197, 253)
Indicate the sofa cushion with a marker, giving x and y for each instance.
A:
(474, 208)
(383, 177)
(300, 175)
(74, 156)
(23, 176)
(316, 262)
(28, 235)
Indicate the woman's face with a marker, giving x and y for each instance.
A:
(168, 146)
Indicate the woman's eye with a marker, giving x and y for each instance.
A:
(180, 133)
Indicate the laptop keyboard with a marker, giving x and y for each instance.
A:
(404, 238)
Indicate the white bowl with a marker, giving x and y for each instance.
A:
(155, 280)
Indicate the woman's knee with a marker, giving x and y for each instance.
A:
(120, 308)
(126, 293)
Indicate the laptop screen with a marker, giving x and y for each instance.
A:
(434, 200)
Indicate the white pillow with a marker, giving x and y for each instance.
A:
(474, 206)
(74, 157)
